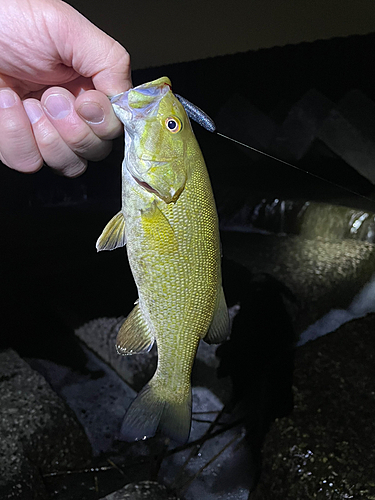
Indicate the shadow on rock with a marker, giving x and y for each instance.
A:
(259, 357)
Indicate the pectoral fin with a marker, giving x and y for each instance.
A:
(113, 235)
(220, 327)
(161, 236)
(134, 336)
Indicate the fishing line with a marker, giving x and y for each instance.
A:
(297, 168)
(199, 116)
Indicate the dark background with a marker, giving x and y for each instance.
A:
(51, 273)
(52, 278)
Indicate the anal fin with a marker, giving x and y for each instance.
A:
(220, 326)
(113, 235)
(134, 336)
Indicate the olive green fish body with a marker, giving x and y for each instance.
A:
(170, 225)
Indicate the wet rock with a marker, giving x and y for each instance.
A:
(334, 222)
(311, 248)
(100, 336)
(145, 490)
(267, 216)
(313, 270)
(308, 219)
(325, 448)
(217, 468)
(96, 394)
(38, 433)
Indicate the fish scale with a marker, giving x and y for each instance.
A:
(169, 222)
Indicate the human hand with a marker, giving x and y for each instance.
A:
(56, 71)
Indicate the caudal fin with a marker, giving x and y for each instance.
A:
(149, 411)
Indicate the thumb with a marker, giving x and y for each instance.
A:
(93, 54)
(113, 74)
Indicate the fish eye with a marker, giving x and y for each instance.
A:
(173, 124)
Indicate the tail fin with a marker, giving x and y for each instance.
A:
(150, 411)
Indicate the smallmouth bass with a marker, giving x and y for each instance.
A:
(169, 224)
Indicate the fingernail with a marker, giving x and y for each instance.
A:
(91, 113)
(33, 111)
(7, 99)
(58, 106)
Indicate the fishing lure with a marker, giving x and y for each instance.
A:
(200, 117)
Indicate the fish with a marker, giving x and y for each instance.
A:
(169, 224)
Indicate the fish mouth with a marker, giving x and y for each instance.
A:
(146, 186)
(150, 159)
(163, 189)
(170, 197)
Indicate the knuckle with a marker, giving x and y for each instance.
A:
(101, 152)
(33, 164)
(75, 168)
(82, 142)
(87, 145)
(18, 148)
(27, 162)
(10, 127)
(48, 139)
(58, 153)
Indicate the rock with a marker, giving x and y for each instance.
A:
(300, 127)
(313, 270)
(245, 122)
(359, 110)
(96, 394)
(349, 132)
(38, 433)
(335, 222)
(100, 336)
(220, 467)
(145, 490)
(267, 216)
(309, 219)
(325, 448)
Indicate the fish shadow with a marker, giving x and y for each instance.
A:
(258, 357)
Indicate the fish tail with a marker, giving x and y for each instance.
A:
(150, 411)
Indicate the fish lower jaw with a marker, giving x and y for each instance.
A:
(148, 160)
(145, 186)
(171, 197)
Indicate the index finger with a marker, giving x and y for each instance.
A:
(96, 110)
